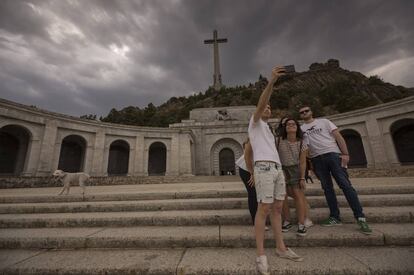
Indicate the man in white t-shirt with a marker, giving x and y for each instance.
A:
(268, 178)
(330, 157)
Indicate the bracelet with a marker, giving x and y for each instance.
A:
(302, 179)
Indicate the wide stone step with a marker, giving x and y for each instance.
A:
(42, 182)
(401, 214)
(156, 192)
(216, 261)
(189, 204)
(200, 236)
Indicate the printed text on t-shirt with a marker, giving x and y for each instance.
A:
(313, 131)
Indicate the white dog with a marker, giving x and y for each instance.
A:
(71, 178)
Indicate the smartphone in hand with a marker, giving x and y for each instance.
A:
(289, 68)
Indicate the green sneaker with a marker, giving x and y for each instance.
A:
(331, 221)
(363, 226)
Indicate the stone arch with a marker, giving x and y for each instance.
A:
(402, 132)
(72, 154)
(157, 159)
(118, 159)
(217, 148)
(356, 149)
(15, 141)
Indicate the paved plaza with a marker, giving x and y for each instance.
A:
(196, 228)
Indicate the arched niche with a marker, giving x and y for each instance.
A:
(356, 150)
(157, 159)
(402, 132)
(72, 154)
(118, 159)
(14, 146)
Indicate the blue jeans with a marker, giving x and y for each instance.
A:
(327, 166)
(251, 193)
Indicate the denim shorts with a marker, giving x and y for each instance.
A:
(269, 181)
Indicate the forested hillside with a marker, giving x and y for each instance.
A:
(326, 87)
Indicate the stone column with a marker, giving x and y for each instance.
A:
(105, 158)
(131, 160)
(173, 156)
(88, 160)
(368, 152)
(376, 142)
(47, 150)
(33, 156)
(185, 155)
(139, 160)
(202, 156)
(98, 154)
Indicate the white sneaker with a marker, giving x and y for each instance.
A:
(262, 266)
(301, 230)
(290, 255)
(286, 226)
(308, 223)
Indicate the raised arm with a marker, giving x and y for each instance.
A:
(267, 92)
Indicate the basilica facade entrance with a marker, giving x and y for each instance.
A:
(227, 162)
(223, 155)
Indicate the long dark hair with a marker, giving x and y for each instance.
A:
(299, 133)
(281, 126)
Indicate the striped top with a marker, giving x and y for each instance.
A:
(289, 151)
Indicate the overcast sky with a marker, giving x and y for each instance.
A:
(82, 57)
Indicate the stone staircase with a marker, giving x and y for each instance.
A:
(196, 228)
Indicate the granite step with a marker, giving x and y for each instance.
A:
(215, 261)
(176, 191)
(45, 182)
(400, 214)
(230, 236)
(189, 204)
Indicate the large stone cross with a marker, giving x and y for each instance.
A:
(217, 76)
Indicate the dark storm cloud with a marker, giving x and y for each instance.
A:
(80, 57)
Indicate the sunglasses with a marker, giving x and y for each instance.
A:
(304, 111)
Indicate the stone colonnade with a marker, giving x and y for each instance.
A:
(34, 142)
(47, 135)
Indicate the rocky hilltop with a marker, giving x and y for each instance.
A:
(326, 87)
(332, 89)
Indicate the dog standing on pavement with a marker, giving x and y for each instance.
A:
(71, 178)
